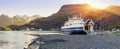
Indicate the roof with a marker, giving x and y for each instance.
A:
(87, 21)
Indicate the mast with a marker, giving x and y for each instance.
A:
(80, 15)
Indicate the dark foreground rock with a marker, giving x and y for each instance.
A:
(78, 33)
(75, 42)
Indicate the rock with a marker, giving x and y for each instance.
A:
(76, 42)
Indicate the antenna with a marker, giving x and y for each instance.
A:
(80, 15)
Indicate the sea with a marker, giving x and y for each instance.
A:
(20, 39)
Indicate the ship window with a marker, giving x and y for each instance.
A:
(66, 25)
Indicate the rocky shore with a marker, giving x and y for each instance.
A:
(75, 42)
(3, 43)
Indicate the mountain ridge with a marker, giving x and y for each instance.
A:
(5, 20)
(105, 18)
(113, 9)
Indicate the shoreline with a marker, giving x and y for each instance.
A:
(75, 42)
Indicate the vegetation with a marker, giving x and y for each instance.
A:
(4, 28)
(47, 23)
(103, 19)
(111, 34)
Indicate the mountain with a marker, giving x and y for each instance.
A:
(103, 18)
(5, 20)
(113, 9)
(18, 20)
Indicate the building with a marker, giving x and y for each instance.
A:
(89, 25)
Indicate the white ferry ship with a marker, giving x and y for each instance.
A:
(73, 24)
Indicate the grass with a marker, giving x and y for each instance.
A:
(111, 34)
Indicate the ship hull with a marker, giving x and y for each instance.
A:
(72, 29)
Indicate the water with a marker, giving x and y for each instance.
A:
(17, 39)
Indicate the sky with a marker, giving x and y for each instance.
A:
(46, 7)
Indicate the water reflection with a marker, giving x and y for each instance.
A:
(19, 39)
(14, 39)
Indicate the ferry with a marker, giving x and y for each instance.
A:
(73, 24)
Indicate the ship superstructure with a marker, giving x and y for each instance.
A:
(73, 24)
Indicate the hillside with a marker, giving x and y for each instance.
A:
(5, 20)
(113, 9)
(105, 19)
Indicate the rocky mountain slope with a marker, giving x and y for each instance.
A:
(104, 18)
(113, 9)
(18, 20)
(5, 20)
